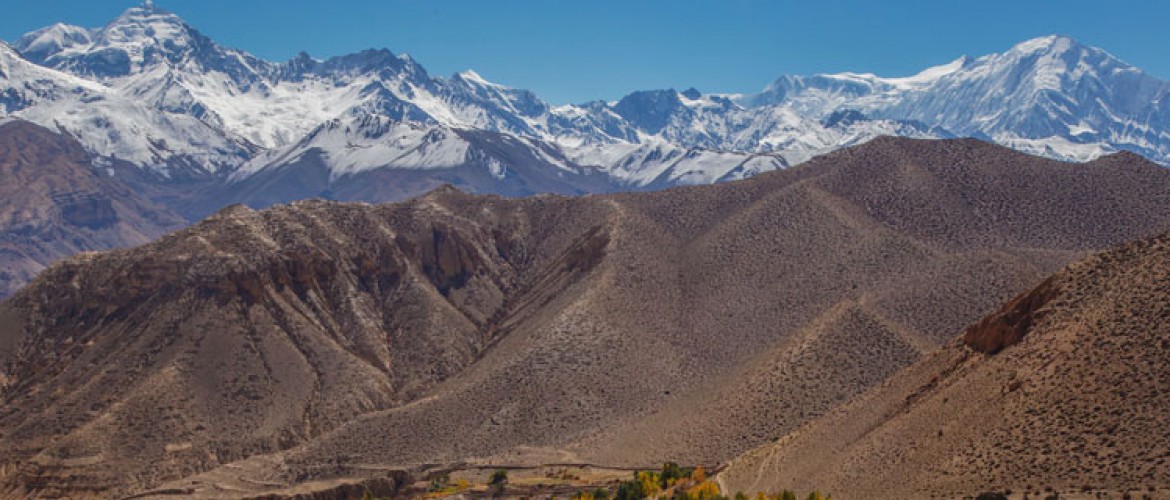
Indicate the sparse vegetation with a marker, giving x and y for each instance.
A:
(439, 482)
(441, 486)
(597, 494)
(682, 483)
(499, 479)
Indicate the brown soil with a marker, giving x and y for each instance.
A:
(314, 341)
(1065, 389)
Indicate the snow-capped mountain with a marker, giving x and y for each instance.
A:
(1050, 96)
(114, 125)
(151, 90)
(151, 56)
(377, 157)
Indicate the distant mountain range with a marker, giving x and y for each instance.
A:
(150, 91)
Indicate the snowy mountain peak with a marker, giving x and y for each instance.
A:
(471, 76)
(1049, 43)
(40, 44)
(1060, 53)
(216, 108)
(366, 62)
(146, 36)
(138, 41)
(146, 22)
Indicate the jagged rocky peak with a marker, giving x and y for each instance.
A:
(145, 35)
(378, 64)
(300, 65)
(137, 41)
(470, 76)
(366, 61)
(649, 110)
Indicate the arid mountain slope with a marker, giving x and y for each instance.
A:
(250, 332)
(330, 340)
(1065, 387)
(54, 204)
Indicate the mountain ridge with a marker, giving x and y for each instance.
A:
(597, 329)
(194, 126)
(1051, 108)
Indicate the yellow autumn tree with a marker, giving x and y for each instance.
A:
(698, 475)
(650, 486)
(706, 490)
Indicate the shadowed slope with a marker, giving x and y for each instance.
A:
(689, 325)
(54, 204)
(250, 332)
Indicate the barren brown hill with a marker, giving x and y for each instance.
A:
(54, 204)
(319, 341)
(1064, 389)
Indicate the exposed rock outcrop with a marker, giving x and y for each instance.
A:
(1008, 326)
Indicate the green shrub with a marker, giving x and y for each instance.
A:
(498, 480)
(439, 483)
(630, 490)
(671, 473)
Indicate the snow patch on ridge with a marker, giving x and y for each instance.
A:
(367, 143)
(929, 75)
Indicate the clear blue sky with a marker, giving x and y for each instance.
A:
(579, 50)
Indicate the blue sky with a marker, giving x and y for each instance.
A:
(579, 50)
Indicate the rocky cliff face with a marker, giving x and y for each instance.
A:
(1009, 325)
